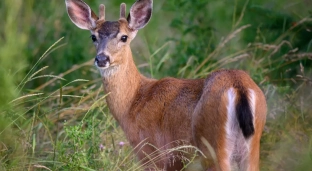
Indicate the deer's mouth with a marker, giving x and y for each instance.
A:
(102, 65)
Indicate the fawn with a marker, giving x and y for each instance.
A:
(225, 111)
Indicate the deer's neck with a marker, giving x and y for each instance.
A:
(122, 87)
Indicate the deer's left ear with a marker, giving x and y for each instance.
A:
(81, 14)
(140, 14)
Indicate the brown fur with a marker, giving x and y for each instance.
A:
(170, 112)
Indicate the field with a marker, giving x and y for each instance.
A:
(53, 115)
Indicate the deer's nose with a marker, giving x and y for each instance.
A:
(102, 60)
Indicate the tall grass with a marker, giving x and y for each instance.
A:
(53, 112)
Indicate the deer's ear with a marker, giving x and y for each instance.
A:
(140, 14)
(81, 14)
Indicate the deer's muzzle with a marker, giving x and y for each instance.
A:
(102, 61)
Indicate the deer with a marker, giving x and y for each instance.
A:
(225, 112)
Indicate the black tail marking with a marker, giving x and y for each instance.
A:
(244, 115)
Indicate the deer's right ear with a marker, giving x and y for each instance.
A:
(81, 14)
(140, 14)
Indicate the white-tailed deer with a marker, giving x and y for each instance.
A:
(226, 109)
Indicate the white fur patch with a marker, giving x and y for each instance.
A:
(252, 103)
(237, 147)
(231, 124)
(107, 70)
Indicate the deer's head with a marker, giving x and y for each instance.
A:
(111, 38)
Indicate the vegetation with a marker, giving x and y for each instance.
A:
(53, 112)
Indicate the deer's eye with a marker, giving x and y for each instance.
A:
(124, 38)
(93, 37)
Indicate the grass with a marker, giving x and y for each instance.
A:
(53, 113)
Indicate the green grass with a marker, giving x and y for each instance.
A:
(53, 114)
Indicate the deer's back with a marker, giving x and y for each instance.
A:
(162, 109)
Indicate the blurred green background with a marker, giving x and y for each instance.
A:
(54, 117)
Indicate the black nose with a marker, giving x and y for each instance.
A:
(102, 60)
